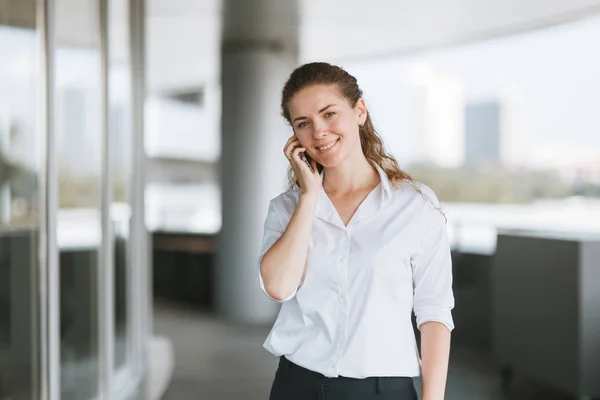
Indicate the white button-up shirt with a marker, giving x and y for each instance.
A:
(351, 314)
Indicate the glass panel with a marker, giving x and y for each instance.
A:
(120, 165)
(20, 169)
(79, 165)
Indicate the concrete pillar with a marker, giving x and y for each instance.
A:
(259, 51)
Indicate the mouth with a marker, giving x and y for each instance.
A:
(328, 146)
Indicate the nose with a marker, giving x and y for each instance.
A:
(320, 130)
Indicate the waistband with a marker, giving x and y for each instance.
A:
(293, 371)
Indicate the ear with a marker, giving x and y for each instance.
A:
(361, 111)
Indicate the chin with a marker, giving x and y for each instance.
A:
(330, 162)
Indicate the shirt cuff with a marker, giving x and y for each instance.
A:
(435, 314)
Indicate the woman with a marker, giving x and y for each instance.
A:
(350, 251)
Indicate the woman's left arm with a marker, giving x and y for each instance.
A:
(433, 303)
(435, 352)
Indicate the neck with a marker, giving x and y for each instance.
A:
(350, 176)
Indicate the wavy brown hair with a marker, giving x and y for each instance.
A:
(320, 73)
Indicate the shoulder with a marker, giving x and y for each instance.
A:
(285, 203)
(420, 201)
(428, 195)
(415, 191)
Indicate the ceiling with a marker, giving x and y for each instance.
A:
(184, 36)
(336, 30)
(354, 29)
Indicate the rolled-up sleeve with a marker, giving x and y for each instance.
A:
(273, 229)
(432, 279)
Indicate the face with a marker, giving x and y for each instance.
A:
(326, 125)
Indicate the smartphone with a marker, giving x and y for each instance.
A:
(304, 158)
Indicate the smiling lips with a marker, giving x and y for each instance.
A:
(328, 146)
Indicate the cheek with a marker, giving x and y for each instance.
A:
(346, 126)
(349, 131)
(304, 137)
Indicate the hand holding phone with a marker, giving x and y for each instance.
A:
(309, 182)
(303, 158)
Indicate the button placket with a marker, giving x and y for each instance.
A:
(341, 288)
(345, 248)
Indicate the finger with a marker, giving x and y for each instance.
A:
(289, 141)
(297, 151)
(290, 149)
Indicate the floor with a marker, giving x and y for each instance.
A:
(218, 360)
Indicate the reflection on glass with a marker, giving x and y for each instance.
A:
(78, 149)
(20, 164)
(120, 164)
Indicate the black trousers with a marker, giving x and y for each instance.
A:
(293, 382)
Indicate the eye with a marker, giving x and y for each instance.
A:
(329, 114)
(302, 124)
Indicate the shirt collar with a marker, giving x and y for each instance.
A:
(326, 210)
(386, 185)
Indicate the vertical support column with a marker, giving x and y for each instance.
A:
(106, 282)
(49, 282)
(259, 51)
(140, 296)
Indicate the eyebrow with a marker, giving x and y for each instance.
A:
(320, 111)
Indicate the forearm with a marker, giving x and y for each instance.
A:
(282, 267)
(435, 352)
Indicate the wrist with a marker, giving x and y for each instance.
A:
(309, 197)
